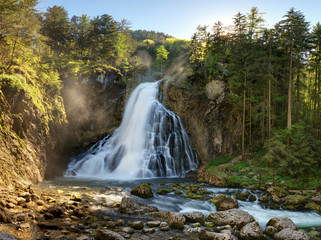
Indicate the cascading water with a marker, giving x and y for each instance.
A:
(150, 142)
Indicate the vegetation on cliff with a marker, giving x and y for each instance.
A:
(273, 79)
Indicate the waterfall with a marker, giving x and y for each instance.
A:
(150, 142)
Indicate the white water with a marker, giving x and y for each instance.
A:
(150, 142)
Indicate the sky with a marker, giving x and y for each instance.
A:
(180, 18)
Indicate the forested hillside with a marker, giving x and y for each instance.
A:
(273, 79)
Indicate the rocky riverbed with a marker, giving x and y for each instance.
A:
(61, 212)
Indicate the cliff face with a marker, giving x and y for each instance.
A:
(25, 138)
(212, 129)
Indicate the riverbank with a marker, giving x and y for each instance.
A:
(61, 210)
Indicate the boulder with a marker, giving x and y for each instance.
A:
(264, 198)
(108, 235)
(290, 234)
(224, 202)
(251, 231)
(207, 235)
(231, 217)
(143, 191)
(195, 217)
(270, 231)
(132, 206)
(294, 202)
(176, 220)
(281, 223)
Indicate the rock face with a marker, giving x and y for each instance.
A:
(231, 217)
(29, 134)
(143, 191)
(290, 234)
(131, 206)
(207, 119)
(224, 202)
(251, 231)
(176, 220)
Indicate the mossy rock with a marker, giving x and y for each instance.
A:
(224, 202)
(242, 196)
(178, 192)
(193, 196)
(163, 191)
(143, 191)
(313, 206)
(252, 198)
(294, 202)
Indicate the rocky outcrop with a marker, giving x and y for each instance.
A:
(30, 132)
(206, 116)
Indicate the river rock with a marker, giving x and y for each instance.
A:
(132, 206)
(251, 231)
(195, 217)
(294, 202)
(176, 220)
(163, 226)
(138, 225)
(148, 230)
(270, 231)
(6, 236)
(281, 223)
(56, 210)
(106, 234)
(264, 198)
(290, 234)
(207, 235)
(224, 202)
(231, 217)
(153, 223)
(143, 191)
(163, 191)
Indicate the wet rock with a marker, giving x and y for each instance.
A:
(270, 231)
(176, 220)
(163, 191)
(6, 236)
(153, 223)
(252, 198)
(242, 196)
(289, 233)
(231, 217)
(3, 203)
(224, 202)
(132, 206)
(138, 225)
(206, 235)
(161, 214)
(10, 205)
(127, 230)
(264, 198)
(75, 197)
(20, 200)
(148, 230)
(195, 217)
(178, 192)
(78, 212)
(108, 235)
(143, 191)
(194, 230)
(163, 226)
(281, 223)
(251, 231)
(56, 210)
(313, 206)
(49, 226)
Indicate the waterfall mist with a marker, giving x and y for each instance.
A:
(150, 142)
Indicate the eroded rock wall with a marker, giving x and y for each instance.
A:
(213, 129)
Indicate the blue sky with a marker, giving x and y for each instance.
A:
(180, 18)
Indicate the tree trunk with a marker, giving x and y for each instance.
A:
(243, 120)
(297, 98)
(289, 119)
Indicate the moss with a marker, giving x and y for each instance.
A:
(163, 191)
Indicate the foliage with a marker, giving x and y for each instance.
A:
(219, 161)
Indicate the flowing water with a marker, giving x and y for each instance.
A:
(152, 143)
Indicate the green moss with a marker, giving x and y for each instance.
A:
(219, 161)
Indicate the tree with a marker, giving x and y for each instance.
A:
(80, 33)
(56, 27)
(161, 56)
(294, 31)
